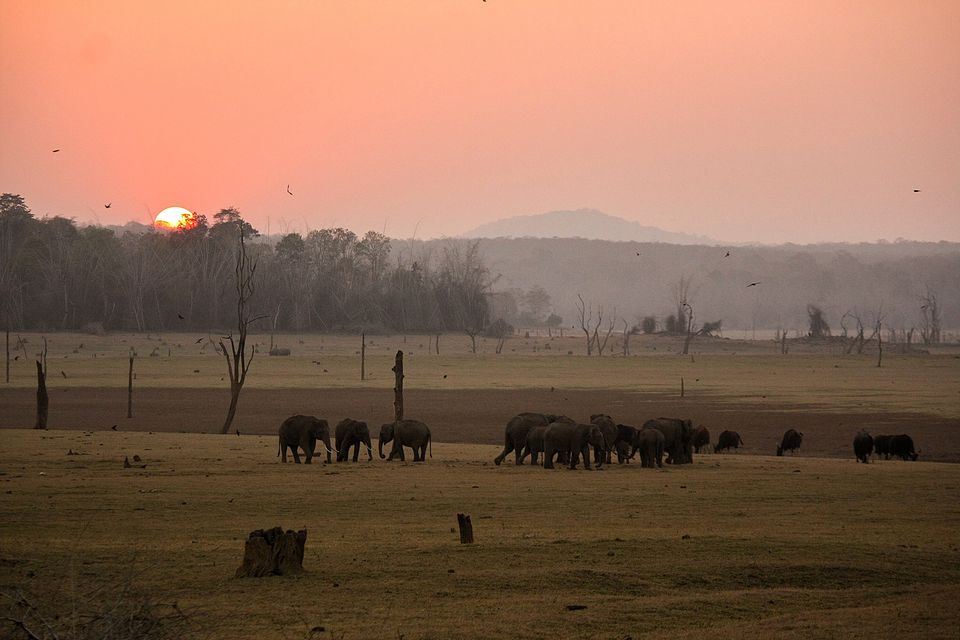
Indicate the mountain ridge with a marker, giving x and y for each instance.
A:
(589, 224)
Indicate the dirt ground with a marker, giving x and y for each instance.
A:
(475, 416)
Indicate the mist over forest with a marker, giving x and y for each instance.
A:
(58, 275)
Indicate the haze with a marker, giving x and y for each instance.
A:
(770, 122)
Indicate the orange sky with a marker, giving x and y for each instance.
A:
(767, 121)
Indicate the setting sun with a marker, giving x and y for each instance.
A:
(175, 218)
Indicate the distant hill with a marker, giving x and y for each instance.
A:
(589, 224)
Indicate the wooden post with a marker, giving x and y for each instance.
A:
(879, 345)
(466, 528)
(436, 343)
(681, 386)
(130, 387)
(398, 387)
(363, 356)
(43, 400)
(8, 356)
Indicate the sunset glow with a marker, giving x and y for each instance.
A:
(173, 218)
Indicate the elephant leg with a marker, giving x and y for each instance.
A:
(548, 457)
(284, 450)
(586, 458)
(356, 451)
(507, 448)
(296, 454)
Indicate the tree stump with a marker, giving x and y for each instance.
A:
(466, 528)
(269, 552)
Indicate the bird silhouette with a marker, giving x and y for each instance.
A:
(199, 340)
(753, 284)
(56, 151)
(288, 190)
(726, 255)
(114, 427)
(107, 206)
(63, 373)
(638, 253)
(180, 315)
(444, 376)
(916, 190)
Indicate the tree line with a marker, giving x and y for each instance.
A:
(57, 275)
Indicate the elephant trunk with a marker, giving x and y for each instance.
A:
(380, 447)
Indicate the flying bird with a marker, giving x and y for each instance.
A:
(107, 206)
(727, 254)
(753, 284)
(114, 427)
(56, 151)
(916, 190)
(444, 376)
(63, 373)
(180, 315)
(638, 253)
(199, 340)
(288, 190)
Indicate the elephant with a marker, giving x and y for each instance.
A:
(901, 446)
(573, 439)
(701, 439)
(881, 446)
(728, 440)
(624, 437)
(791, 441)
(515, 435)
(303, 432)
(678, 438)
(649, 442)
(610, 431)
(534, 444)
(352, 433)
(863, 446)
(406, 433)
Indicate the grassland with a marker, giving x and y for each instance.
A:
(730, 547)
(726, 370)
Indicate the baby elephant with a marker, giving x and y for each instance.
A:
(303, 432)
(406, 433)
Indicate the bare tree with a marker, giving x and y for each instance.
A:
(690, 327)
(930, 317)
(585, 317)
(238, 357)
(680, 291)
(627, 332)
(43, 400)
(818, 324)
(602, 344)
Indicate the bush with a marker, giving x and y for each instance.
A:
(498, 329)
(649, 324)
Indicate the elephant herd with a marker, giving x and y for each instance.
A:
(899, 446)
(303, 432)
(548, 439)
(563, 440)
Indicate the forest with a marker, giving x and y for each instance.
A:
(58, 275)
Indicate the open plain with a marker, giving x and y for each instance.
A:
(734, 546)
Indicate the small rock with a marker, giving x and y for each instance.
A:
(576, 607)
(685, 536)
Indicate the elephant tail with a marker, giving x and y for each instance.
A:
(430, 444)
(279, 445)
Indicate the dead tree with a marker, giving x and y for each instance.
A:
(930, 317)
(8, 356)
(690, 332)
(43, 400)
(627, 332)
(879, 345)
(818, 324)
(237, 355)
(398, 387)
(601, 345)
(585, 315)
(363, 356)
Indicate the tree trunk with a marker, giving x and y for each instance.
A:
(398, 388)
(273, 552)
(363, 356)
(466, 528)
(8, 356)
(43, 400)
(879, 347)
(232, 410)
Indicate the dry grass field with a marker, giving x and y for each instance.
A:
(732, 546)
